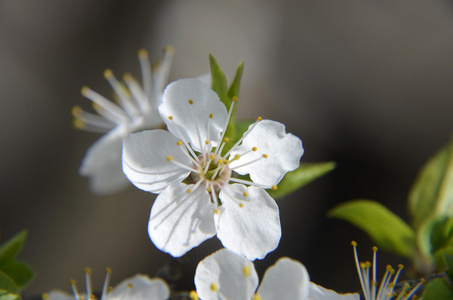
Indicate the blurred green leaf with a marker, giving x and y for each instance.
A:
(432, 192)
(8, 289)
(448, 259)
(19, 272)
(10, 249)
(438, 289)
(219, 81)
(235, 86)
(384, 227)
(303, 175)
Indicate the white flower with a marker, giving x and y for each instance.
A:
(386, 290)
(139, 287)
(199, 193)
(226, 275)
(136, 110)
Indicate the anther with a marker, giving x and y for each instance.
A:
(214, 287)
(189, 191)
(190, 101)
(259, 119)
(256, 297)
(254, 149)
(375, 249)
(210, 116)
(245, 194)
(246, 271)
(193, 295)
(208, 189)
(206, 142)
(234, 99)
(85, 90)
(354, 243)
(400, 266)
(142, 53)
(170, 117)
(45, 296)
(241, 205)
(108, 73)
(265, 155)
(237, 156)
(169, 158)
(130, 285)
(212, 156)
(179, 143)
(274, 187)
(79, 124)
(216, 211)
(76, 111)
(109, 271)
(226, 140)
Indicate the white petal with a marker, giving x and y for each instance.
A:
(192, 120)
(140, 287)
(287, 279)
(181, 220)
(145, 160)
(105, 151)
(317, 292)
(248, 225)
(109, 179)
(234, 276)
(283, 152)
(59, 295)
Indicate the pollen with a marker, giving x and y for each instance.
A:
(87, 270)
(241, 205)
(108, 73)
(265, 156)
(190, 101)
(193, 295)
(142, 53)
(245, 194)
(189, 191)
(210, 116)
(76, 111)
(225, 162)
(212, 156)
(246, 271)
(206, 142)
(374, 249)
(130, 285)
(85, 90)
(226, 140)
(354, 243)
(234, 99)
(254, 149)
(214, 287)
(237, 156)
(256, 297)
(208, 189)
(45, 296)
(274, 187)
(259, 119)
(169, 158)
(179, 143)
(79, 124)
(216, 211)
(170, 117)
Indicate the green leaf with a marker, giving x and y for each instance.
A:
(234, 88)
(303, 175)
(19, 272)
(7, 284)
(5, 295)
(438, 289)
(219, 81)
(10, 249)
(448, 259)
(432, 192)
(384, 227)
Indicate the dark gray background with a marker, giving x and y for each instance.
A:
(365, 83)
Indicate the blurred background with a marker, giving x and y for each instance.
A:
(366, 84)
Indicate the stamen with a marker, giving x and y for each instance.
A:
(107, 105)
(214, 287)
(106, 284)
(230, 111)
(195, 157)
(160, 77)
(246, 271)
(242, 137)
(95, 122)
(145, 68)
(245, 164)
(75, 291)
(170, 159)
(359, 271)
(88, 282)
(247, 182)
(193, 295)
(274, 187)
(197, 128)
(373, 283)
(120, 90)
(137, 92)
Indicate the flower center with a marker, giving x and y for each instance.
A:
(213, 170)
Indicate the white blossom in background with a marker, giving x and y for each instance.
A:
(387, 288)
(134, 109)
(139, 287)
(200, 194)
(226, 275)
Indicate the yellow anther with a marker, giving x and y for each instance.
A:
(256, 297)
(76, 111)
(237, 156)
(189, 191)
(241, 205)
(254, 149)
(79, 124)
(400, 266)
(214, 287)
(374, 249)
(129, 285)
(179, 143)
(225, 162)
(109, 270)
(265, 156)
(362, 265)
(210, 116)
(206, 142)
(72, 282)
(45, 296)
(110, 289)
(96, 106)
(190, 101)
(87, 270)
(246, 271)
(259, 119)
(274, 187)
(169, 158)
(127, 77)
(169, 49)
(170, 117)
(193, 295)
(208, 189)
(245, 194)
(142, 53)
(108, 73)
(354, 243)
(234, 99)
(212, 156)
(226, 140)
(216, 211)
(85, 90)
